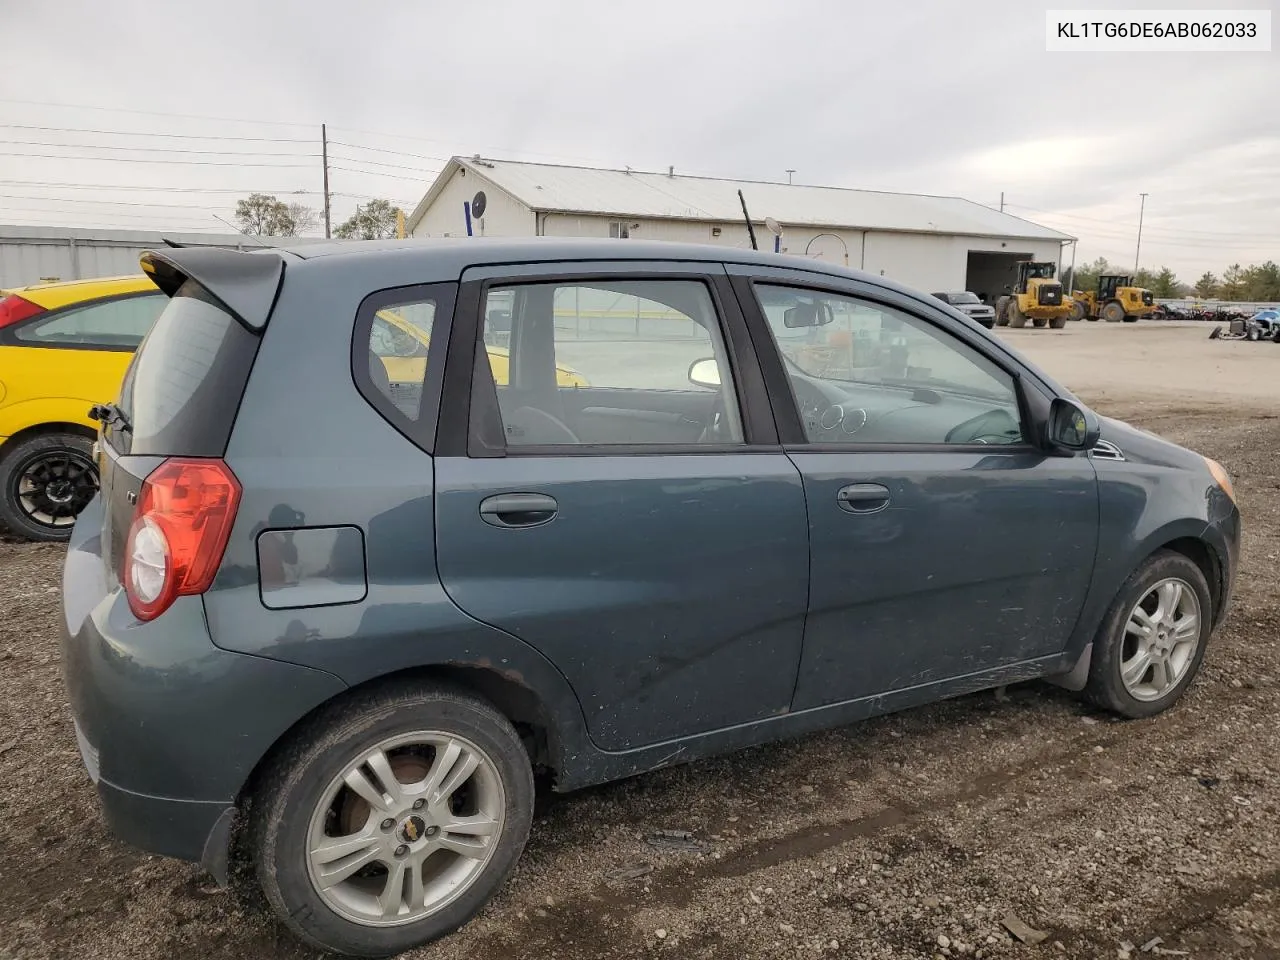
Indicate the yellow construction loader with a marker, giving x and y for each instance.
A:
(1037, 297)
(1115, 299)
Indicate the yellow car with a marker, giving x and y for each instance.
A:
(402, 347)
(63, 348)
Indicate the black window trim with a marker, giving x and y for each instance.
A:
(420, 432)
(9, 335)
(786, 408)
(476, 432)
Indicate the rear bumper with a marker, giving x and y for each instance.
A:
(169, 726)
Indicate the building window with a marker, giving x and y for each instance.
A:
(619, 230)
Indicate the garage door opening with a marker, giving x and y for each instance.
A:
(988, 274)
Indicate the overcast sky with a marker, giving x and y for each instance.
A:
(924, 96)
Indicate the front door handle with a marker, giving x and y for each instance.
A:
(863, 497)
(518, 509)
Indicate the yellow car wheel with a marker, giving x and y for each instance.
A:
(45, 481)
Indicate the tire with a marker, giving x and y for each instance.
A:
(1058, 323)
(48, 475)
(1077, 310)
(1130, 319)
(1112, 647)
(1253, 333)
(291, 802)
(1002, 312)
(1039, 322)
(1112, 312)
(1017, 319)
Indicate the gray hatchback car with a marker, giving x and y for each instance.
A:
(386, 529)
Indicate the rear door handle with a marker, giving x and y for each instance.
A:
(863, 497)
(518, 509)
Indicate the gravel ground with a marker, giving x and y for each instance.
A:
(912, 836)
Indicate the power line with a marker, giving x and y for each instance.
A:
(114, 203)
(108, 146)
(380, 163)
(290, 191)
(167, 136)
(196, 163)
(377, 173)
(1179, 231)
(154, 113)
(400, 153)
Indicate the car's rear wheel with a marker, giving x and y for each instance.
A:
(392, 819)
(45, 481)
(1153, 640)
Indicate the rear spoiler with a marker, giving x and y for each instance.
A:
(247, 283)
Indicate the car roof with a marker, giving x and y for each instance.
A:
(63, 292)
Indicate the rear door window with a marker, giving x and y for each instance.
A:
(118, 324)
(393, 355)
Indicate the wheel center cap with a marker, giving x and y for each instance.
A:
(412, 829)
(59, 491)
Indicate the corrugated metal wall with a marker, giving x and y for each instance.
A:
(32, 254)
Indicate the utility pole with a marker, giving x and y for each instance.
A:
(1002, 201)
(324, 158)
(1141, 210)
(789, 173)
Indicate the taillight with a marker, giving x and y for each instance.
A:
(179, 532)
(13, 309)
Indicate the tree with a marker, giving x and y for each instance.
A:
(376, 220)
(1206, 286)
(1233, 280)
(304, 219)
(1262, 282)
(1086, 275)
(1165, 285)
(263, 215)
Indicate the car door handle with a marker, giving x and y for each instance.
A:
(518, 509)
(863, 497)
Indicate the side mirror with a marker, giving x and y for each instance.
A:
(705, 373)
(1072, 427)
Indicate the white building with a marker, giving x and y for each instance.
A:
(931, 243)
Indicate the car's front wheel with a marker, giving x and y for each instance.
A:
(45, 481)
(392, 819)
(1153, 639)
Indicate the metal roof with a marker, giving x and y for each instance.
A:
(549, 188)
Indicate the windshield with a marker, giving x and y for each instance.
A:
(1041, 271)
(965, 297)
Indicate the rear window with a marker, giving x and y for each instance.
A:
(184, 385)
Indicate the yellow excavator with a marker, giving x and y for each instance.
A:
(1037, 297)
(1115, 299)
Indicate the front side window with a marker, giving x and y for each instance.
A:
(866, 373)
(111, 324)
(638, 362)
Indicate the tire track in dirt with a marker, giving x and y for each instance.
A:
(601, 915)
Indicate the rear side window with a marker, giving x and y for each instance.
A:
(118, 324)
(397, 349)
(182, 390)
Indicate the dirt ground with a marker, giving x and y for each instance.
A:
(912, 836)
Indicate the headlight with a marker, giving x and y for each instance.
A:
(1223, 479)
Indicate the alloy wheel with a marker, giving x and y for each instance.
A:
(1161, 635)
(405, 828)
(54, 486)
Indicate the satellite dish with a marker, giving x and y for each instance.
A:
(477, 204)
(774, 226)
